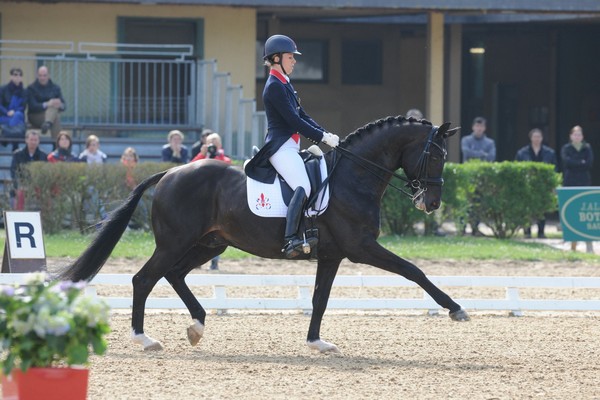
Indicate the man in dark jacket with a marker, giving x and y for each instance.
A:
(12, 107)
(31, 152)
(45, 102)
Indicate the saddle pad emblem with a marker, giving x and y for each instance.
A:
(262, 203)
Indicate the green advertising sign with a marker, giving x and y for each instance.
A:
(579, 211)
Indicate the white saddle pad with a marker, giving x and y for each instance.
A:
(265, 199)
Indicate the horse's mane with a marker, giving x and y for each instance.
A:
(369, 127)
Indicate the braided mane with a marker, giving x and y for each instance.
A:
(368, 128)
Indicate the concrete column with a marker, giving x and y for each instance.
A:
(435, 68)
(453, 97)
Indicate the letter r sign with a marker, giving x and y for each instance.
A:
(24, 235)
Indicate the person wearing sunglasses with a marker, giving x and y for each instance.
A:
(12, 106)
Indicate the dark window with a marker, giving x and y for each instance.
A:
(311, 66)
(362, 62)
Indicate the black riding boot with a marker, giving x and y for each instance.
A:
(295, 245)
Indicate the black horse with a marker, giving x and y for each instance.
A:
(200, 209)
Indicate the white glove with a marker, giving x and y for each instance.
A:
(330, 139)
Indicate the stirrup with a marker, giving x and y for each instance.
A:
(295, 246)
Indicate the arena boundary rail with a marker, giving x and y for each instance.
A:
(305, 283)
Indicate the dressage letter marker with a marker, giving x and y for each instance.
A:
(24, 248)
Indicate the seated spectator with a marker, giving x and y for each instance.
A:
(92, 153)
(129, 159)
(212, 149)
(63, 149)
(12, 106)
(198, 145)
(46, 102)
(175, 151)
(31, 152)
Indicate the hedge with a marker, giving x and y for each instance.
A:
(505, 196)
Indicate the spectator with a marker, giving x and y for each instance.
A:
(45, 102)
(212, 149)
(129, 159)
(63, 149)
(414, 113)
(92, 153)
(175, 151)
(31, 152)
(477, 146)
(577, 160)
(198, 145)
(538, 152)
(12, 106)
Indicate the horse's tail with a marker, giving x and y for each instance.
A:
(95, 256)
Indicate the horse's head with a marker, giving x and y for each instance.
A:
(423, 163)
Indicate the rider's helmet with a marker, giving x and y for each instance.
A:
(278, 44)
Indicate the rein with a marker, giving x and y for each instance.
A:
(419, 185)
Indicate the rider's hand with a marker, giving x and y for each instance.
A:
(330, 139)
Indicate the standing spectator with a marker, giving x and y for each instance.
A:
(212, 149)
(92, 153)
(577, 160)
(538, 152)
(63, 151)
(31, 152)
(477, 146)
(175, 151)
(12, 106)
(45, 102)
(198, 145)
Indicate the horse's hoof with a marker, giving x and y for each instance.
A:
(460, 316)
(147, 342)
(323, 347)
(195, 332)
(156, 346)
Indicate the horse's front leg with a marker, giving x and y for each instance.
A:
(326, 271)
(374, 254)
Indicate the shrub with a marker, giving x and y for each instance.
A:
(78, 196)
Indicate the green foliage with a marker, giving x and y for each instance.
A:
(78, 196)
(46, 324)
(510, 195)
(505, 196)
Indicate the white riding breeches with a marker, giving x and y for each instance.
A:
(290, 166)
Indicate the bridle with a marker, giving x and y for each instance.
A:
(420, 183)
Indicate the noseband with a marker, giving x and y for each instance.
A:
(420, 183)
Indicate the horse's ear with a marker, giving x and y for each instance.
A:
(441, 132)
(452, 131)
(444, 132)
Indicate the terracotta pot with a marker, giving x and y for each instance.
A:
(46, 383)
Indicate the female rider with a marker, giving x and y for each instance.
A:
(286, 122)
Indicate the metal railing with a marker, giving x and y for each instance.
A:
(134, 88)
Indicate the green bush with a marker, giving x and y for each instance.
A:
(510, 195)
(78, 196)
(505, 196)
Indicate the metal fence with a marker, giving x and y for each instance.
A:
(141, 89)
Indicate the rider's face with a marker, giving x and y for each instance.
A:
(287, 62)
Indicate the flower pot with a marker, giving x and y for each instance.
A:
(46, 383)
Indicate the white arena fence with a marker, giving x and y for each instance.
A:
(305, 283)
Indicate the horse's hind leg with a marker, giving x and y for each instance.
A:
(326, 271)
(154, 269)
(373, 254)
(196, 256)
